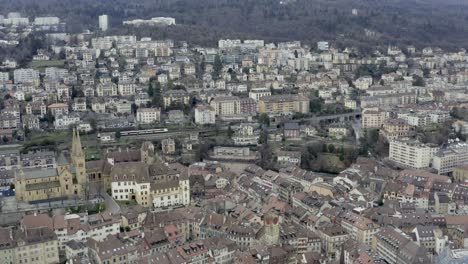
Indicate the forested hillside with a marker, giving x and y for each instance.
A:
(422, 23)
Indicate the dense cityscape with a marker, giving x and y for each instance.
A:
(135, 150)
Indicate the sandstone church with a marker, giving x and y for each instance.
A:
(67, 180)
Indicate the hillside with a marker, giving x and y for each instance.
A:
(421, 23)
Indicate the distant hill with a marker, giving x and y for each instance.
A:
(374, 22)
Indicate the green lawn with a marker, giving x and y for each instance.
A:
(44, 64)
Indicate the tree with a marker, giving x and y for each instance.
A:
(264, 119)
(418, 81)
(265, 156)
(134, 108)
(118, 134)
(157, 99)
(230, 132)
(217, 67)
(263, 138)
(93, 124)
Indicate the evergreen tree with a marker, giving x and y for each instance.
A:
(217, 67)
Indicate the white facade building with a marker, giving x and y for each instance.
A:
(257, 93)
(412, 154)
(204, 115)
(26, 76)
(103, 22)
(451, 156)
(148, 115)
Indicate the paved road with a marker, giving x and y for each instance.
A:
(111, 205)
(357, 130)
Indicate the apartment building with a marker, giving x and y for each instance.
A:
(148, 115)
(36, 245)
(412, 154)
(359, 227)
(333, 236)
(26, 76)
(396, 247)
(257, 93)
(373, 118)
(176, 97)
(454, 154)
(7, 246)
(204, 115)
(283, 104)
(233, 105)
(395, 128)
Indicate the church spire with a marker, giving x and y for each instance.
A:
(77, 151)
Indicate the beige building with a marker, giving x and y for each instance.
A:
(7, 246)
(69, 179)
(37, 246)
(333, 236)
(395, 128)
(168, 146)
(359, 228)
(460, 173)
(148, 115)
(283, 104)
(176, 97)
(373, 118)
(451, 155)
(412, 154)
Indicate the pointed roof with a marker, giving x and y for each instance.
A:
(77, 150)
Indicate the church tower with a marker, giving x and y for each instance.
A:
(272, 229)
(78, 159)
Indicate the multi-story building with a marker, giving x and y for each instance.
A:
(333, 236)
(58, 109)
(412, 154)
(168, 146)
(26, 76)
(7, 246)
(453, 154)
(149, 185)
(126, 88)
(205, 115)
(395, 128)
(283, 104)
(229, 105)
(396, 247)
(373, 118)
(37, 245)
(359, 227)
(44, 21)
(107, 89)
(460, 173)
(103, 22)
(172, 97)
(148, 115)
(257, 93)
